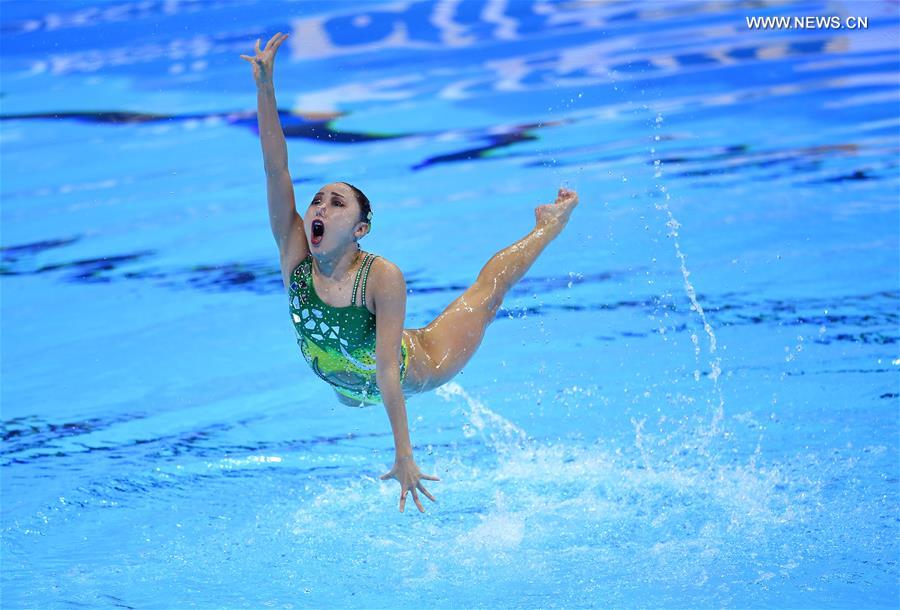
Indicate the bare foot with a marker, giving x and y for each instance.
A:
(554, 216)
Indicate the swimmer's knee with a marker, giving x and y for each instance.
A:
(491, 315)
(493, 307)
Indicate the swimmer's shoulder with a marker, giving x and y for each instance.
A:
(384, 270)
(385, 280)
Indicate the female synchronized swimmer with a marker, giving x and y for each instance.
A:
(348, 306)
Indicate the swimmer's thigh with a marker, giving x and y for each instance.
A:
(452, 338)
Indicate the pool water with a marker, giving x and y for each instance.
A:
(690, 401)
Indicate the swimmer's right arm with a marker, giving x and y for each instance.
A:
(286, 223)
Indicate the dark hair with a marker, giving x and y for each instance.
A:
(365, 208)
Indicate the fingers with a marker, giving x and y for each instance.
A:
(275, 42)
(425, 491)
(278, 42)
(412, 487)
(418, 502)
(271, 40)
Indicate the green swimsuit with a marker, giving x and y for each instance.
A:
(338, 342)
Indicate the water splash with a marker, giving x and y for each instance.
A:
(500, 433)
(715, 363)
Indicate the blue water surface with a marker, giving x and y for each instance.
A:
(690, 401)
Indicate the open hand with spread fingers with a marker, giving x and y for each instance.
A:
(264, 60)
(410, 478)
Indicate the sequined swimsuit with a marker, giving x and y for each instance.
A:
(339, 342)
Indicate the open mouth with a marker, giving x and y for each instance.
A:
(318, 230)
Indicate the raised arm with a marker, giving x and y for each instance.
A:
(286, 223)
(389, 296)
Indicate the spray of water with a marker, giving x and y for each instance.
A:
(499, 433)
(673, 226)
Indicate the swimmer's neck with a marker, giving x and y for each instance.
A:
(336, 266)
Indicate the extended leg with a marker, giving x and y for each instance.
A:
(452, 338)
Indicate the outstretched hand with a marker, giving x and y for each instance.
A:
(264, 60)
(408, 475)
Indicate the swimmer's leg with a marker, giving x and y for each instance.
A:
(452, 338)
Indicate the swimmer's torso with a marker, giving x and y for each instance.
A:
(338, 342)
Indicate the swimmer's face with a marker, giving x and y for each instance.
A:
(331, 221)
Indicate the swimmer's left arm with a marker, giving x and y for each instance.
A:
(389, 300)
